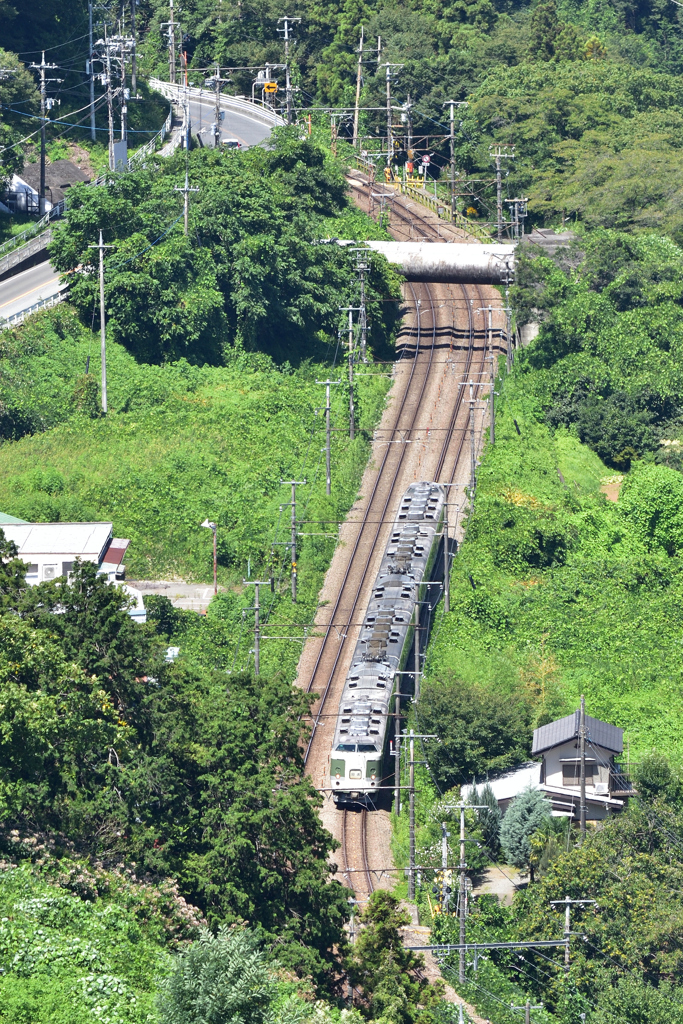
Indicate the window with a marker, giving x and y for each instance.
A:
(32, 570)
(367, 748)
(349, 748)
(67, 567)
(571, 774)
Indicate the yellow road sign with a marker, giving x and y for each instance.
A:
(270, 87)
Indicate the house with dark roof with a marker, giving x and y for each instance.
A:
(558, 772)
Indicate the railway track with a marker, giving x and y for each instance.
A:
(423, 395)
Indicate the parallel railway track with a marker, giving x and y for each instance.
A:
(327, 673)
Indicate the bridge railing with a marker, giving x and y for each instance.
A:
(19, 317)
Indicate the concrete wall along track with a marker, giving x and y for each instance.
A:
(423, 435)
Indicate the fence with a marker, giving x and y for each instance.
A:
(420, 195)
(46, 303)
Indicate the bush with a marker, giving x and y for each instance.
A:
(528, 813)
(651, 501)
(221, 979)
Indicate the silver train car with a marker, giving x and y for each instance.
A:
(384, 644)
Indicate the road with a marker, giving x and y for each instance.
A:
(30, 286)
(235, 126)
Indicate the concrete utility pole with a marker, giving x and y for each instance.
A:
(411, 737)
(213, 526)
(567, 904)
(527, 1009)
(134, 55)
(288, 83)
(397, 744)
(328, 433)
(462, 892)
(257, 622)
(110, 99)
(473, 452)
(42, 68)
(582, 745)
(103, 330)
(186, 190)
(500, 151)
(445, 894)
(350, 310)
(359, 75)
(171, 26)
(492, 422)
(292, 544)
(453, 104)
(362, 268)
(216, 126)
(91, 75)
(390, 129)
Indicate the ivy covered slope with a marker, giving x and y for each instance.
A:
(59, 963)
(556, 590)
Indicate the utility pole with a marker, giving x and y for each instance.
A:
(473, 452)
(416, 650)
(411, 737)
(213, 526)
(446, 562)
(186, 190)
(527, 1009)
(171, 26)
(91, 74)
(42, 68)
(390, 130)
(106, 80)
(462, 891)
(288, 83)
(257, 623)
(362, 268)
(103, 330)
(397, 744)
(445, 888)
(350, 310)
(567, 904)
(294, 484)
(582, 742)
(492, 422)
(328, 433)
(500, 151)
(453, 104)
(218, 81)
(134, 61)
(358, 83)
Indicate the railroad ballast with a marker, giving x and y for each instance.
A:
(384, 643)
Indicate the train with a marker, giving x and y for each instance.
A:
(385, 640)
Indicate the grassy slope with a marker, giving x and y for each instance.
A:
(180, 443)
(607, 623)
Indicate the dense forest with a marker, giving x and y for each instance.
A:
(162, 854)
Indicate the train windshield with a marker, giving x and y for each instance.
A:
(366, 748)
(349, 748)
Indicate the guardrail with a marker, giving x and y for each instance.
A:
(238, 104)
(420, 195)
(17, 256)
(18, 318)
(16, 241)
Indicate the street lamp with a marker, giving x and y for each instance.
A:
(213, 526)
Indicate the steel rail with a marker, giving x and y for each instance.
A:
(375, 490)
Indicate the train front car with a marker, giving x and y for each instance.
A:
(384, 645)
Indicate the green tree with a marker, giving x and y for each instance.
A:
(478, 732)
(389, 975)
(528, 813)
(221, 979)
(489, 819)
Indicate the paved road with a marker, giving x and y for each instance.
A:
(23, 290)
(28, 287)
(235, 126)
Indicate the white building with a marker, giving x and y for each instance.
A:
(50, 550)
(558, 773)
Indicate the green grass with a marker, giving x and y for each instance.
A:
(181, 443)
(605, 618)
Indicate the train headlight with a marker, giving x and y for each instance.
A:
(372, 776)
(337, 774)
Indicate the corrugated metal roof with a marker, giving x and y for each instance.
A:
(84, 540)
(116, 551)
(4, 518)
(601, 733)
